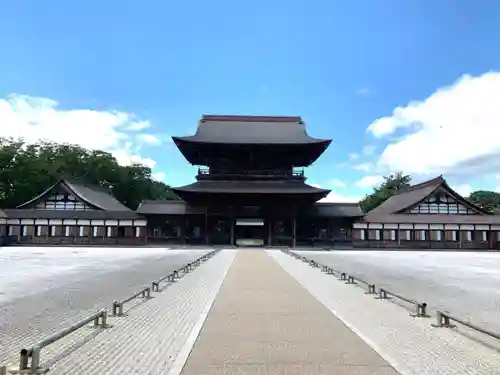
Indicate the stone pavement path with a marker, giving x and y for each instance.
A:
(149, 338)
(264, 322)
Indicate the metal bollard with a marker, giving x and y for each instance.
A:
(104, 319)
(23, 360)
(146, 293)
(117, 309)
(35, 358)
(420, 310)
(101, 320)
(371, 289)
(382, 294)
(442, 321)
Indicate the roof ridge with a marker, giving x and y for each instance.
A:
(250, 118)
(438, 180)
(89, 185)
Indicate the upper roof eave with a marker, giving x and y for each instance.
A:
(237, 129)
(194, 139)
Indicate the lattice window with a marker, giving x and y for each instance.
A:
(441, 204)
(62, 202)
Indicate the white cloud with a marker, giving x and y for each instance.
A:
(463, 189)
(365, 167)
(370, 181)
(149, 139)
(159, 176)
(353, 156)
(368, 150)
(36, 119)
(334, 197)
(138, 125)
(364, 91)
(337, 183)
(455, 130)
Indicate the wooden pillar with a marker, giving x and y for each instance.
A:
(269, 231)
(460, 238)
(206, 226)
(186, 229)
(231, 223)
(398, 236)
(491, 239)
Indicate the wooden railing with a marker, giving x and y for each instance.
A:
(206, 173)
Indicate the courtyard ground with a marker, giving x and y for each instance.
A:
(466, 284)
(44, 289)
(157, 336)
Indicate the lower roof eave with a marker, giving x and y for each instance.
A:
(211, 197)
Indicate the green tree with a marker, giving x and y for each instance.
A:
(390, 186)
(26, 170)
(489, 200)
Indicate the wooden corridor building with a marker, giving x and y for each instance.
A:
(429, 215)
(73, 212)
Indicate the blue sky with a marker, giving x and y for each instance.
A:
(125, 76)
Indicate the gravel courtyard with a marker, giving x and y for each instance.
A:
(465, 284)
(45, 289)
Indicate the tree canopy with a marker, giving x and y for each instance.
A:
(390, 186)
(26, 170)
(489, 200)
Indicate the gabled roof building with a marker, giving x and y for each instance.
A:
(250, 188)
(428, 215)
(72, 211)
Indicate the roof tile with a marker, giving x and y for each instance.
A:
(251, 130)
(252, 187)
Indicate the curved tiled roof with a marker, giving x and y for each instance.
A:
(95, 196)
(92, 195)
(178, 207)
(251, 130)
(393, 207)
(251, 187)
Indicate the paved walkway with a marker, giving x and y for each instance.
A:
(264, 322)
(412, 345)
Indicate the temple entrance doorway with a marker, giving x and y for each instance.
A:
(249, 232)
